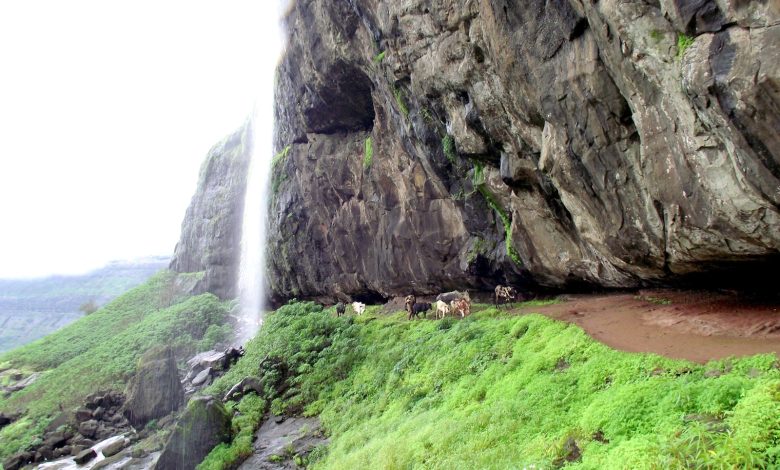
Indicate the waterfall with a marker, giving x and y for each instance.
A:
(251, 279)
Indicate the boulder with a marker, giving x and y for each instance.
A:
(204, 424)
(115, 447)
(83, 414)
(18, 460)
(246, 385)
(88, 428)
(202, 377)
(84, 456)
(155, 390)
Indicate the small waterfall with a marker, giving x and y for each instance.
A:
(251, 279)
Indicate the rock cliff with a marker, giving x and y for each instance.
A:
(433, 144)
(210, 239)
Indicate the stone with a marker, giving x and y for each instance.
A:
(203, 424)
(18, 460)
(83, 414)
(155, 390)
(202, 377)
(99, 412)
(243, 387)
(115, 447)
(577, 138)
(88, 428)
(84, 456)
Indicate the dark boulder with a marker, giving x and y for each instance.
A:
(155, 390)
(83, 414)
(84, 456)
(89, 428)
(17, 461)
(204, 424)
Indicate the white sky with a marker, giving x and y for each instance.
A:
(107, 110)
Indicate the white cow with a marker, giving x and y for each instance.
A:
(442, 309)
(358, 307)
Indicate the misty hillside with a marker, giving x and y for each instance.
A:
(32, 308)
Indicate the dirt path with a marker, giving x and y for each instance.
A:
(698, 326)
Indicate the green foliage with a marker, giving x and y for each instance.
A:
(493, 203)
(379, 57)
(277, 178)
(400, 100)
(478, 178)
(368, 154)
(488, 392)
(448, 145)
(225, 456)
(683, 42)
(101, 351)
(479, 248)
(656, 35)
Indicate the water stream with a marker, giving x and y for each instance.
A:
(252, 282)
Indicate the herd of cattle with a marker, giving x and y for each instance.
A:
(450, 303)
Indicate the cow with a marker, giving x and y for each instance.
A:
(442, 309)
(358, 307)
(409, 302)
(461, 306)
(419, 308)
(448, 297)
(340, 309)
(504, 294)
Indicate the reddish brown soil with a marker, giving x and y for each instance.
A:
(698, 326)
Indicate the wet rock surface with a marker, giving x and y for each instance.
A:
(281, 439)
(561, 144)
(203, 424)
(211, 232)
(155, 390)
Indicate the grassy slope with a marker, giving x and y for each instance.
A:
(100, 351)
(496, 391)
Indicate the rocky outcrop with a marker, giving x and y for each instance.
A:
(437, 144)
(155, 390)
(204, 424)
(211, 232)
(428, 145)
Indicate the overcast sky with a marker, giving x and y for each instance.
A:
(107, 110)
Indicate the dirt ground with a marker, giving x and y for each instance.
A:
(698, 326)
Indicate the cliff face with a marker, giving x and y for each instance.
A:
(439, 144)
(211, 232)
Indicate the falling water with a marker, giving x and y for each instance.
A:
(251, 279)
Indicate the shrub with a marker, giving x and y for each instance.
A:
(683, 42)
(368, 154)
(448, 146)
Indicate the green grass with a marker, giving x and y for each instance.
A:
(100, 351)
(400, 100)
(683, 43)
(448, 146)
(277, 178)
(505, 219)
(368, 154)
(379, 57)
(501, 391)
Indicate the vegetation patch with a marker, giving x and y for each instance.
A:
(683, 43)
(400, 100)
(277, 177)
(491, 391)
(505, 219)
(368, 153)
(379, 57)
(448, 146)
(101, 351)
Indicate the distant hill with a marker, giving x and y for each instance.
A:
(32, 308)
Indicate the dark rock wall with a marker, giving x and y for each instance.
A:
(211, 232)
(581, 131)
